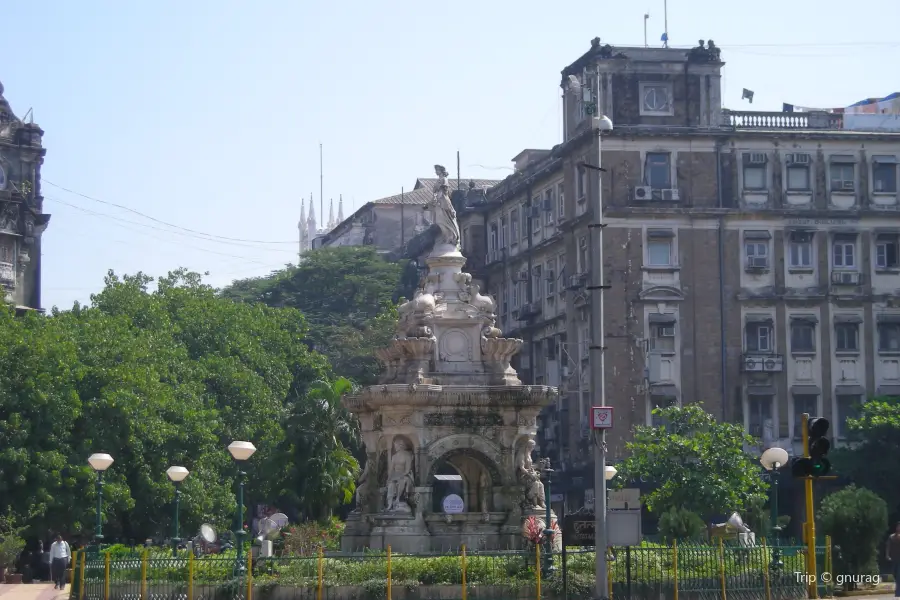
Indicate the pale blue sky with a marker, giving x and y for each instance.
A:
(208, 114)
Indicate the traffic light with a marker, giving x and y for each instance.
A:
(816, 447)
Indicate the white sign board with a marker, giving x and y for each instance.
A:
(623, 528)
(453, 504)
(601, 417)
(624, 499)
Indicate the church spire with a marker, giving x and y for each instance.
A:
(331, 222)
(340, 217)
(302, 222)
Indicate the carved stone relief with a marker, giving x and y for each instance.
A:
(455, 346)
(463, 419)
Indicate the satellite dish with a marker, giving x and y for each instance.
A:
(208, 533)
(280, 519)
(266, 528)
(735, 521)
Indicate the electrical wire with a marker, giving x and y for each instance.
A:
(146, 216)
(93, 213)
(180, 233)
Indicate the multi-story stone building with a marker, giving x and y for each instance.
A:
(752, 258)
(22, 220)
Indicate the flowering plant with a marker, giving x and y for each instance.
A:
(534, 528)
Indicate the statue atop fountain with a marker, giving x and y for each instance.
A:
(449, 429)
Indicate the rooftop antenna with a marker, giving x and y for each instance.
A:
(646, 18)
(665, 35)
(321, 185)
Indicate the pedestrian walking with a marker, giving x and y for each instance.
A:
(60, 554)
(892, 549)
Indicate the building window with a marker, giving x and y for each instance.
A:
(504, 231)
(551, 277)
(843, 177)
(798, 173)
(560, 200)
(843, 253)
(846, 337)
(886, 255)
(755, 171)
(514, 295)
(800, 250)
(493, 241)
(889, 337)
(847, 408)
(548, 207)
(803, 336)
(757, 253)
(536, 284)
(803, 404)
(662, 337)
(659, 252)
(656, 99)
(514, 226)
(760, 412)
(581, 182)
(658, 171)
(583, 254)
(758, 337)
(884, 176)
(561, 265)
(504, 303)
(524, 221)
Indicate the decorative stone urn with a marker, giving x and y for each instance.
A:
(450, 428)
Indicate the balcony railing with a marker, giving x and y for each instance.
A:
(741, 119)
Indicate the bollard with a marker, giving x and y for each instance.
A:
(675, 566)
(462, 559)
(81, 576)
(388, 573)
(250, 574)
(537, 570)
(74, 559)
(722, 568)
(144, 560)
(106, 577)
(768, 585)
(320, 564)
(190, 594)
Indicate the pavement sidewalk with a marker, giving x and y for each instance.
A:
(32, 591)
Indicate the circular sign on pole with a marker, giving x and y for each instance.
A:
(453, 504)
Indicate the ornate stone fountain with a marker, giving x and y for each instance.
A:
(449, 430)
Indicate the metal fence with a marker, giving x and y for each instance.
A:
(677, 572)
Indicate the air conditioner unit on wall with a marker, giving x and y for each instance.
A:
(643, 192)
(758, 262)
(670, 195)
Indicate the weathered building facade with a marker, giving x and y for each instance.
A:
(22, 220)
(752, 258)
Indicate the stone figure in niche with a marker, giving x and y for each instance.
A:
(400, 478)
(529, 477)
(484, 491)
(9, 217)
(362, 487)
(444, 213)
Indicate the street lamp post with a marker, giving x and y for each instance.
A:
(176, 475)
(240, 451)
(100, 463)
(772, 460)
(548, 567)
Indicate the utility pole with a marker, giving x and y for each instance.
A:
(597, 361)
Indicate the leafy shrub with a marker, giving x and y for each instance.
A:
(680, 524)
(305, 539)
(856, 519)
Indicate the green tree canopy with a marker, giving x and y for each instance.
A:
(696, 463)
(871, 458)
(857, 520)
(161, 378)
(346, 295)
